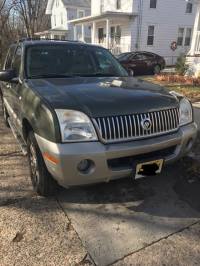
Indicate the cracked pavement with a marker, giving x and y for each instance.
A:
(154, 221)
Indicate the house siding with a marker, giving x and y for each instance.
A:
(110, 5)
(56, 12)
(69, 13)
(167, 18)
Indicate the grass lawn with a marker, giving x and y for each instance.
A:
(190, 91)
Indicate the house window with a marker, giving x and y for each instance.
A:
(55, 20)
(189, 7)
(180, 36)
(57, 3)
(150, 38)
(188, 35)
(81, 13)
(118, 4)
(153, 3)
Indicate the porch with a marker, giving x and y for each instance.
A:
(197, 44)
(193, 57)
(111, 30)
(58, 33)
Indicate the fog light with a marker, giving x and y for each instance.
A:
(84, 165)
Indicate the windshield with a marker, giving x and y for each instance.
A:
(70, 60)
(124, 56)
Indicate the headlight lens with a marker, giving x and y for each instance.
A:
(185, 112)
(75, 126)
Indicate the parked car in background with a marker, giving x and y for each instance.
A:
(142, 62)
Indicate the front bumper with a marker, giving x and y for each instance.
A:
(106, 157)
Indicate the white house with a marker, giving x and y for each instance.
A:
(150, 25)
(193, 57)
(61, 12)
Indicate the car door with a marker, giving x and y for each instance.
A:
(137, 64)
(6, 86)
(149, 61)
(15, 89)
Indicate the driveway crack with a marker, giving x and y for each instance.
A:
(88, 256)
(154, 242)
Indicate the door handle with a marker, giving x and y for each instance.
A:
(20, 98)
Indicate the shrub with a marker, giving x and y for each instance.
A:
(181, 66)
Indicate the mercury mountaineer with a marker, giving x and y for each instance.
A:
(81, 118)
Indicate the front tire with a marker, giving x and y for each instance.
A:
(41, 179)
(5, 113)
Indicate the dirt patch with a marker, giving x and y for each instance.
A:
(36, 232)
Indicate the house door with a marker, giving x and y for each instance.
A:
(100, 35)
(112, 35)
(115, 35)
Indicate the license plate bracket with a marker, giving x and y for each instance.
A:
(149, 168)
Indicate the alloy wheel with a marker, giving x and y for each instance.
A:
(34, 165)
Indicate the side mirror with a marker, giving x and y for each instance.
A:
(8, 75)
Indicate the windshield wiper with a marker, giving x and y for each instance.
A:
(53, 76)
(97, 74)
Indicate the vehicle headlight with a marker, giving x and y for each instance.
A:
(186, 114)
(75, 126)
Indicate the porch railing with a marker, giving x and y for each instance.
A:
(116, 48)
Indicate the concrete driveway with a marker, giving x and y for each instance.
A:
(154, 221)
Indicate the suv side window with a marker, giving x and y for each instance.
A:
(104, 62)
(16, 64)
(9, 57)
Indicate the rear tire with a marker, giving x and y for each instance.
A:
(42, 181)
(156, 69)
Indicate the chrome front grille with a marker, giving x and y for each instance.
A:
(131, 127)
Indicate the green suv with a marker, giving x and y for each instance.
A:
(81, 118)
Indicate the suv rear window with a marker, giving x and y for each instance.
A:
(71, 60)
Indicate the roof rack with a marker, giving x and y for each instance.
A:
(46, 39)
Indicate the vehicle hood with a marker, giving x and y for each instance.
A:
(99, 97)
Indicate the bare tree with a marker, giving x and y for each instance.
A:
(32, 13)
(5, 9)
(2, 5)
(20, 18)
